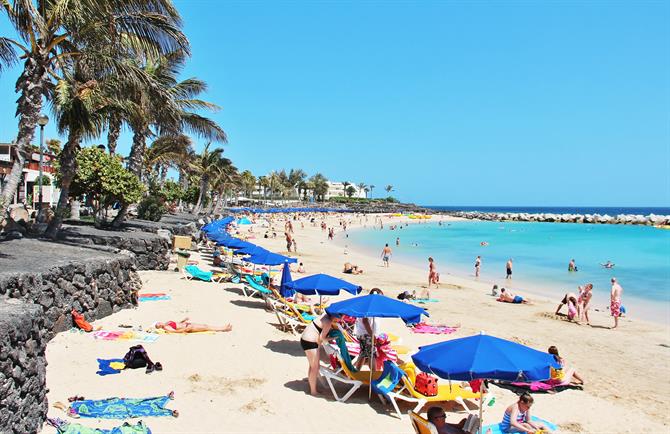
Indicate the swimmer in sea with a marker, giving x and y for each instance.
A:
(608, 264)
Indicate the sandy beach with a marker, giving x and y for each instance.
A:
(253, 379)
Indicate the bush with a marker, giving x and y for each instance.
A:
(151, 208)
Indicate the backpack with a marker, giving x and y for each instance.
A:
(136, 357)
(426, 384)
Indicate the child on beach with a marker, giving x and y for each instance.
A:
(517, 417)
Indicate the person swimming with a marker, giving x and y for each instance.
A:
(608, 264)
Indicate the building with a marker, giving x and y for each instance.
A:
(27, 190)
(336, 189)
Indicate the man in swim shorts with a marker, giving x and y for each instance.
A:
(508, 297)
(508, 268)
(386, 255)
(615, 301)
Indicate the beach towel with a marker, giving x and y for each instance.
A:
(435, 329)
(425, 300)
(344, 350)
(154, 297)
(65, 427)
(130, 336)
(121, 408)
(110, 366)
(495, 429)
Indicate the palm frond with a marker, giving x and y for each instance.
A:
(8, 56)
(203, 127)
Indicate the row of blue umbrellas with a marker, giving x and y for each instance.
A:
(465, 359)
(283, 210)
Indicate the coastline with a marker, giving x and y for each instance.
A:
(254, 376)
(640, 309)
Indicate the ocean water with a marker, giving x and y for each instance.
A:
(612, 211)
(540, 253)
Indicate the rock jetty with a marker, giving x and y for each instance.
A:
(621, 219)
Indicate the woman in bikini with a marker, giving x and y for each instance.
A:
(315, 333)
(517, 418)
(564, 374)
(185, 326)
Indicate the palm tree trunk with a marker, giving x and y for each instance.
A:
(136, 157)
(68, 170)
(113, 133)
(135, 164)
(163, 174)
(31, 83)
(204, 182)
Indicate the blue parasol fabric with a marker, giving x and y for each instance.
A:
(286, 278)
(323, 284)
(269, 258)
(250, 249)
(486, 357)
(377, 306)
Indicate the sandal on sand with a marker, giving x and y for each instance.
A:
(175, 413)
(150, 369)
(158, 366)
(171, 395)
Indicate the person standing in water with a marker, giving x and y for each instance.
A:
(615, 301)
(386, 255)
(478, 265)
(397, 241)
(572, 266)
(508, 268)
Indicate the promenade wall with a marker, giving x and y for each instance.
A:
(40, 283)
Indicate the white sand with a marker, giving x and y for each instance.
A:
(253, 378)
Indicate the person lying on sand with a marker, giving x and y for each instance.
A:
(351, 269)
(508, 297)
(185, 326)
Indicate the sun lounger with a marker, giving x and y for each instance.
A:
(253, 287)
(344, 374)
(421, 425)
(445, 392)
(194, 272)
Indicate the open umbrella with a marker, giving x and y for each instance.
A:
(269, 258)
(286, 279)
(323, 284)
(484, 357)
(377, 306)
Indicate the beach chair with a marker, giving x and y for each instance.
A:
(421, 425)
(192, 272)
(445, 392)
(287, 321)
(253, 287)
(387, 383)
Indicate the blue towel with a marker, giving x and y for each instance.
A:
(154, 298)
(122, 408)
(126, 428)
(105, 369)
(198, 273)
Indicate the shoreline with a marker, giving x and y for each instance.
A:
(646, 310)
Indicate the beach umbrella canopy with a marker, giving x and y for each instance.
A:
(269, 258)
(486, 357)
(377, 306)
(250, 249)
(286, 279)
(243, 221)
(323, 284)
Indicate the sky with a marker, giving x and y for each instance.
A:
(452, 103)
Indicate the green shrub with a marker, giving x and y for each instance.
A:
(151, 208)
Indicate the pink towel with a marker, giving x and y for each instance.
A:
(433, 329)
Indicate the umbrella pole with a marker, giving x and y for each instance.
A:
(482, 392)
(372, 360)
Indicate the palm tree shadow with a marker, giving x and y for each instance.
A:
(285, 346)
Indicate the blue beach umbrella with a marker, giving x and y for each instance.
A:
(323, 284)
(269, 258)
(250, 249)
(486, 357)
(377, 306)
(286, 279)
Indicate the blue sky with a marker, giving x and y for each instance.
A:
(453, 103)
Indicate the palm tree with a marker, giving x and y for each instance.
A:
(165, 152)
(370, 188)
(345, 185)
(248, 183)
(225, 179)
(53, 33)
(206, 167)
(388, 188)
(364, 188)
(296, 177)
(320, 184)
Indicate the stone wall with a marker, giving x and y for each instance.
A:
(621, 219)
(152, 250)
(40, 283)
(23, 395)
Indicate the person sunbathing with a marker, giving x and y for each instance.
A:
(185, 326)
(508, 297)
(564, 374)
(351, 269)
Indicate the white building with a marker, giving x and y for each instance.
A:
(27, 190)
(336, 189)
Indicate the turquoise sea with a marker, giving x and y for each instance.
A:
(540, 253)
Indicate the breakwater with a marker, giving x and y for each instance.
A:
(620, 219)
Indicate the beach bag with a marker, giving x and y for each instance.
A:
(136, 357)
(426, 384)
(81, 322)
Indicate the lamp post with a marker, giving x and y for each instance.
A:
(42, 121)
